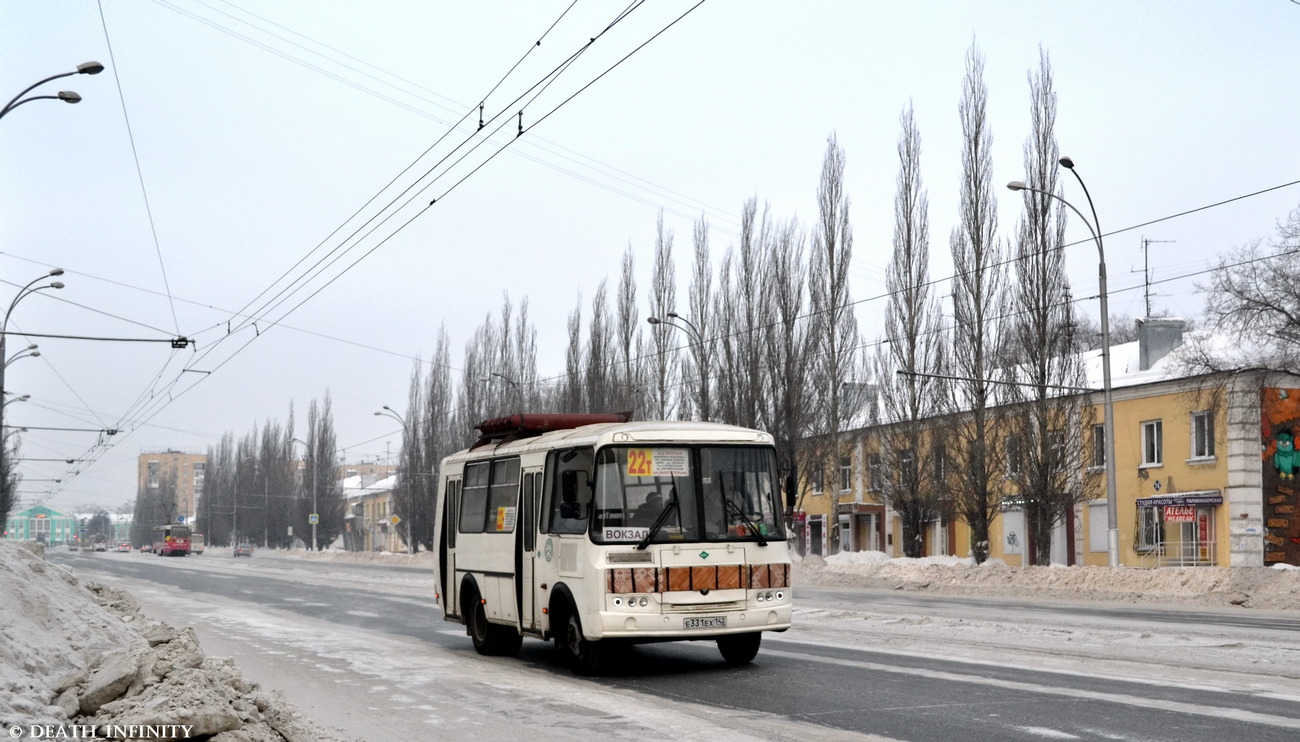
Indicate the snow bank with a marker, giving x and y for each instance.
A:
(84, 654)
(1273, 588)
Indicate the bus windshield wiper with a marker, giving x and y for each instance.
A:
(744, 519)
(659, 523)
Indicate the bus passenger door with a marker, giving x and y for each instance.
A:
(526, 548)
(447, 548)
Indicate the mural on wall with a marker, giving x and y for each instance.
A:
(1279, 426)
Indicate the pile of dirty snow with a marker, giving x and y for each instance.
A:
(73, 653)
(1271, 588)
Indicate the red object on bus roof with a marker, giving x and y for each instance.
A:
(536, 424)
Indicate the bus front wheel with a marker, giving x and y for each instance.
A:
(586, 656)
(739, 649)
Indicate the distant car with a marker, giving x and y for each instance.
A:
(101, 546)
(146, 548)
(244, 550)
(72, 545)
(124, 547)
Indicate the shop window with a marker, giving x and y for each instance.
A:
(1150, 528)
(1153, 443)
(1203, 435)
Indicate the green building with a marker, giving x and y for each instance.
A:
(42, 523)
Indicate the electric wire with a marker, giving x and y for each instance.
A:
(146, 415)
(135, 155)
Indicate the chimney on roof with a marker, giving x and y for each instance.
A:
(1157, 337)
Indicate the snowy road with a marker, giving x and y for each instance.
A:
(361, 648)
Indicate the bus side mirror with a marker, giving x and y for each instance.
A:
(791, 496)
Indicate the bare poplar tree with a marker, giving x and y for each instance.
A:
(789, 345)
(698, 373)
(571, 389)
(978, 286)
(437, 439)
(322, 475)
(599, 375)
(628, 372)
(906, 362)
(662, 368)
(835, 331)
(743, 310)
(1047, 414)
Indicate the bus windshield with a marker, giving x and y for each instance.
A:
(685, 493)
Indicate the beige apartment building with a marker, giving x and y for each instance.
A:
(185, 469)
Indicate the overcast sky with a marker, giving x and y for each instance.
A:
(226, 141)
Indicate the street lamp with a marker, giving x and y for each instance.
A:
(314, 515)
(85, 68)
(519, 393)
(1108, 405)
(29, 351)
(406, 431)
(697, 339)
(23, 398)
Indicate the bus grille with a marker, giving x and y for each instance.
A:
(690, 579)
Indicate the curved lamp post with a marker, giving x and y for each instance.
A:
(1108, 405)
(406, 431)
(85, 68)
(519, 393)
(29, 351)
(693, 333)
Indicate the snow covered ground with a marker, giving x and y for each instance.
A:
(340, 677)
(1272, 588)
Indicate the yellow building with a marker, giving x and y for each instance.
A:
(184, 469)
(1201, 460)
(369, 524)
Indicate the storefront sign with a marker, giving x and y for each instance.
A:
(1180, 513)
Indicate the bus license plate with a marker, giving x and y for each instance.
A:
(711, 622)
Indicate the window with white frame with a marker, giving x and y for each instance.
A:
(1203, 435)
(818, 477)
(1153, 443)
(875, 472)
(846, 473)
(1099, 445)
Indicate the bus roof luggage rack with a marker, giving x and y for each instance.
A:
(514, 427)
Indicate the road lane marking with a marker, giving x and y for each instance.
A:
(1176, 707)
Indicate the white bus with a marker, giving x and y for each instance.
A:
(598, 532)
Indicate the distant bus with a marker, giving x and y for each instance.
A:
(196, 543)
(171, 540)
(596, 532)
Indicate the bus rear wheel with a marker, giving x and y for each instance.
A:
(587, 657)
(489, 638)
(739, 649)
